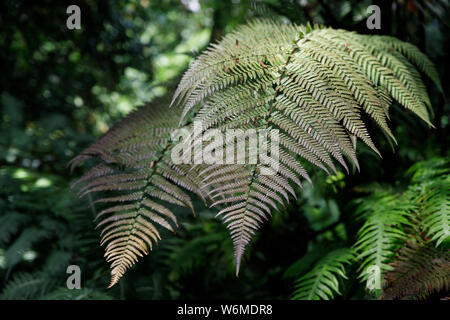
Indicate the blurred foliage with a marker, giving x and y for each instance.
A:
(63, 88)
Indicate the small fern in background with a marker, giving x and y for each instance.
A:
(419, 271)
(322, 282)
(26, 286)
(435, 207)
(44, 230)
(384, 219)
(399, 236)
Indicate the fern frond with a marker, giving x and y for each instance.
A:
(436, 209)
(385, 217)
(25, 286)
(413, 54)
(27, 238)
(321, 283)
(246, 208)
(430, 189)
(425, 171)
(313, 85)
(136, 170)
(418, 271)
(10, 224)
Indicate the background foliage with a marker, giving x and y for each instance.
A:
(61, 89)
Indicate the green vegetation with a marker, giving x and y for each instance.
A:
(62, 89)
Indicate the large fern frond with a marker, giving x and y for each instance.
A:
(313, 85)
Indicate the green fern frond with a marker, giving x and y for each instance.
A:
(321, 283)
(418, 271)
(27, 238)
(385, 217)
(10, 224)
(430, 190)
(435, 209)
(391, 219)
(425, 171)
